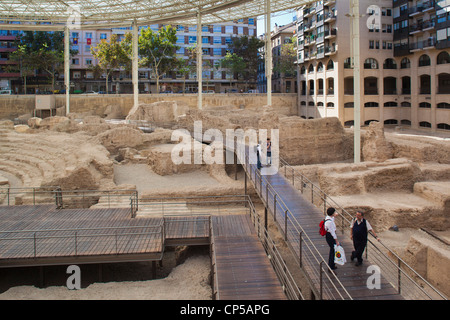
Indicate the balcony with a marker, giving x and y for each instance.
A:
(329, 17)
(421, 27)
(330, 33)
(430, 43)
(421, 8)
(330, 50)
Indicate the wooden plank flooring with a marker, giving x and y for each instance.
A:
(308, 216)
(243, 271)
(43, 232)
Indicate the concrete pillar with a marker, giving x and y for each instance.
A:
(354, 12)
(67, 67)
(135, 66)
(268, 55)
(199, 61)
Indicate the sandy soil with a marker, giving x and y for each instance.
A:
(124, 284)
(146, 180)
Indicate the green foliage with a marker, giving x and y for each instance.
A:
(247, 48)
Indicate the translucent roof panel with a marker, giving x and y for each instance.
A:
(81, 14)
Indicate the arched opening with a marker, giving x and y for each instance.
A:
(330, 86)
(424, 61)
(330, 65)
(405, 63)
(443, 126)
(443, 58)
(320, 67)
(320, 87)
(389, 64)
(424, 124)
(371, 63)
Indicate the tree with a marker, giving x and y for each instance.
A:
(41, 51)
(158, 51)
(24, 63)
(285, 62)
(233, 63)
(187, 66)
(110, 55)
(247, 48)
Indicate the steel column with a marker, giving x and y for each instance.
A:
(135, 66)
(199, 62)
(67, 67)
(268, 55)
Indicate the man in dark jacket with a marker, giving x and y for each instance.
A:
(359, 230)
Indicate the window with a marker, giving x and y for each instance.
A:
(405, 63)
(228, 29)
(217, 51)
(330, 65)
(425, 105)
(443, 58)
(320, 67)
(371, 105)
(349, 105)
(89, 35)
(405, 122)
(240, 30)
(310, 68)
(389, 64)
(390, 104)
(444, 126)
(217, 29)
(390, 121)
(424, 60)
(192, 39)
(330, 105)
(425, 124)
(251, 21)
(443, 105)
(76, 61)
(217, 40)
(205, 40)
(88, 62)
(180, 39)
(370, 63)
(406, 104)
(103, 36)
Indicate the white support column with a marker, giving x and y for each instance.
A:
(135, 66)
(199, 62)
(67, 67)
(268, 55)
(354, 12)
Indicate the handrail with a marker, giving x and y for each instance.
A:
(298, 230)
(328, 201)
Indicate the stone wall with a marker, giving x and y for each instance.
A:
(12, 106)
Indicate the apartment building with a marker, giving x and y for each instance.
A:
(390, 70)
(282, 82)
(215, 40)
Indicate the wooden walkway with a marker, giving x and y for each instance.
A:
(353, 278)
(242, 269)
(43, 235)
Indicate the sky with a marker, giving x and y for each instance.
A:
(281, 18)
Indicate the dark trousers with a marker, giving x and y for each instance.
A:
(331, 242)
(359, 245)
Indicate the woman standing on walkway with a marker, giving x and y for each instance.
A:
(330, 236)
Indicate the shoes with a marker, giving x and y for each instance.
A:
(358, 264)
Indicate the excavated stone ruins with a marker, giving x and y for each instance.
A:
(403, 180)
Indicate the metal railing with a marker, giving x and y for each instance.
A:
(325, 284)
(42, 243)
(120, 198)
(402, 277)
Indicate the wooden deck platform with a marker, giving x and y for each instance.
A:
(242, 268)
(352, 278)
(43, 235)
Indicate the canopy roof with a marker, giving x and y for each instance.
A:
(88, 14)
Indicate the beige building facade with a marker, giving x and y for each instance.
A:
(396, 89)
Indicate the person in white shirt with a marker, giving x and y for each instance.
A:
(331, 236)
(360, 228)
